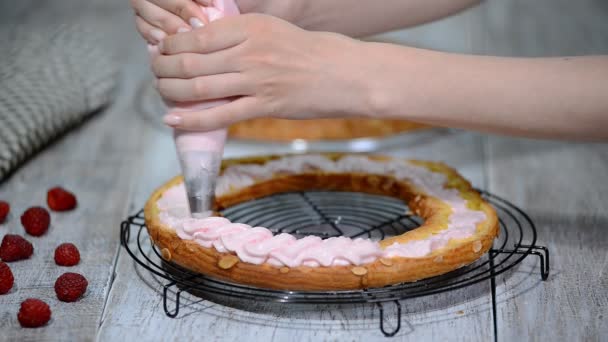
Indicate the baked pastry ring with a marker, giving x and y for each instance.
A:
(273, 129)
(459, 226)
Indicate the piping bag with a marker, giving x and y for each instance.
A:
(200, 153)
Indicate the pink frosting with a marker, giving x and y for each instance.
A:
(257, 245)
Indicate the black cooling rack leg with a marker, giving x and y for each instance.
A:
(544, 261)
(396, 330)
(125, 233)
(543, 254)
(178, 293)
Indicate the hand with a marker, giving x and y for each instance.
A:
(270, 68)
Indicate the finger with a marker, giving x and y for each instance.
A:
(158, 17)
(187, 10)
(203, 88)
(153, 35)
(190, 65)
(218, 35)
(214, 118)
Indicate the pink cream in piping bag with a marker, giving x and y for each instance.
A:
(200, 153)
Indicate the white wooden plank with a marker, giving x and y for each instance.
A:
(96, 169)
(563, 187)
(92, 161)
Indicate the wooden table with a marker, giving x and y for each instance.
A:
(115, 160)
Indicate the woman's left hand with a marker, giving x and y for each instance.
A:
(267, 66)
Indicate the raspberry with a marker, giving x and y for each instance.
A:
(69, 287)
(60, 199)
(6, 278)
(14, 248)
(33, 313)
(5, 208)
(36, 221)
(67, 254)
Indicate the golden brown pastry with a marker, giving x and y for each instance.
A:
(459, 226)
(270, 129)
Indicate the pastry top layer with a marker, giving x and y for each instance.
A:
(455, 214)
(273, 129)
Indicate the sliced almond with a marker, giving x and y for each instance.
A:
(438, 259)
(228, 261)
(166, 254)
(373, 181)
(284, 270)
(386, 262)
(359, 271)
(476, 246)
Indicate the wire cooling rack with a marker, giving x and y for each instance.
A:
(327, 214)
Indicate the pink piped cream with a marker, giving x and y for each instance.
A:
(257, 245)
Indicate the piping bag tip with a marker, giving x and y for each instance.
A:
(200, 155)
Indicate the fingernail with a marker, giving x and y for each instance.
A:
(157, 34)
(183, 30)
(172, 120)
(196, 23)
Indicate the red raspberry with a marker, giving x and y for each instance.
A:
(14, 248)
(6, 278)
(5, 208)
(67, 254)
(34, 313)
(36, 221)
(60, 199)
(69, 287)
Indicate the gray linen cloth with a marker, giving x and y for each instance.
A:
(51, 79)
